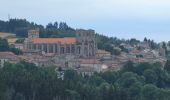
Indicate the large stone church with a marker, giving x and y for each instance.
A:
(83, 45)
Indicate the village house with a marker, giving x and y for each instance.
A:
(12, 41)
(18, 46)
(89, 66)
(103, 54)
(2, 62)
(37, 59)
(8, 57)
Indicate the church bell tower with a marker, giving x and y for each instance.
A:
(86, 45)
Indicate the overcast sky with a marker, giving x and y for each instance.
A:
(121, 18)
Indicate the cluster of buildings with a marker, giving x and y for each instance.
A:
(141, 55)
(68, 52)
(79, 53)
(8, 57)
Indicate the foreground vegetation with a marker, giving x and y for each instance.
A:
(4, 47)
(25, 81)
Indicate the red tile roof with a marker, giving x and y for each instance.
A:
(89, 61)
(54, 40)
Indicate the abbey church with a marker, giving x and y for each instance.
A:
(83, 45)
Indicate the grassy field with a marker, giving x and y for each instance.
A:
(7, 35)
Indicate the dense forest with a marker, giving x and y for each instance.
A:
(25, 81)
(20, 27)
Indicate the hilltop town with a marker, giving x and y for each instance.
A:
(81, 52)
(57, 62)
(84, 51)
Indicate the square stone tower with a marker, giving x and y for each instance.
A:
(86, 45)
(33, 33)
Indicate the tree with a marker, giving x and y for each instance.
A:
(128, 79)
(56, 25)
(130, 85)
(145, 39)
(73, 95)
(133, 41)
(110, 76)
(116, 52)
(104, 91)
(150, 76)
(96, 80)
(164, 45)
(123, 49)
(21, 32)
(20, 41)
(167, 65)
(134, 92)
(71, 74)
(63, 26)
(16, 51)
(50, 26)
(2, 86)
(129, 67)
(4, 45)
(140, 68)
(149, 92)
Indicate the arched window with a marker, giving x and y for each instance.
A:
(45, 47)
(86, 51)
(79, 48)
(62, 50)
(51, 48)
(39, 46)
(72, 49)
(68, 49)
(56, 48)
